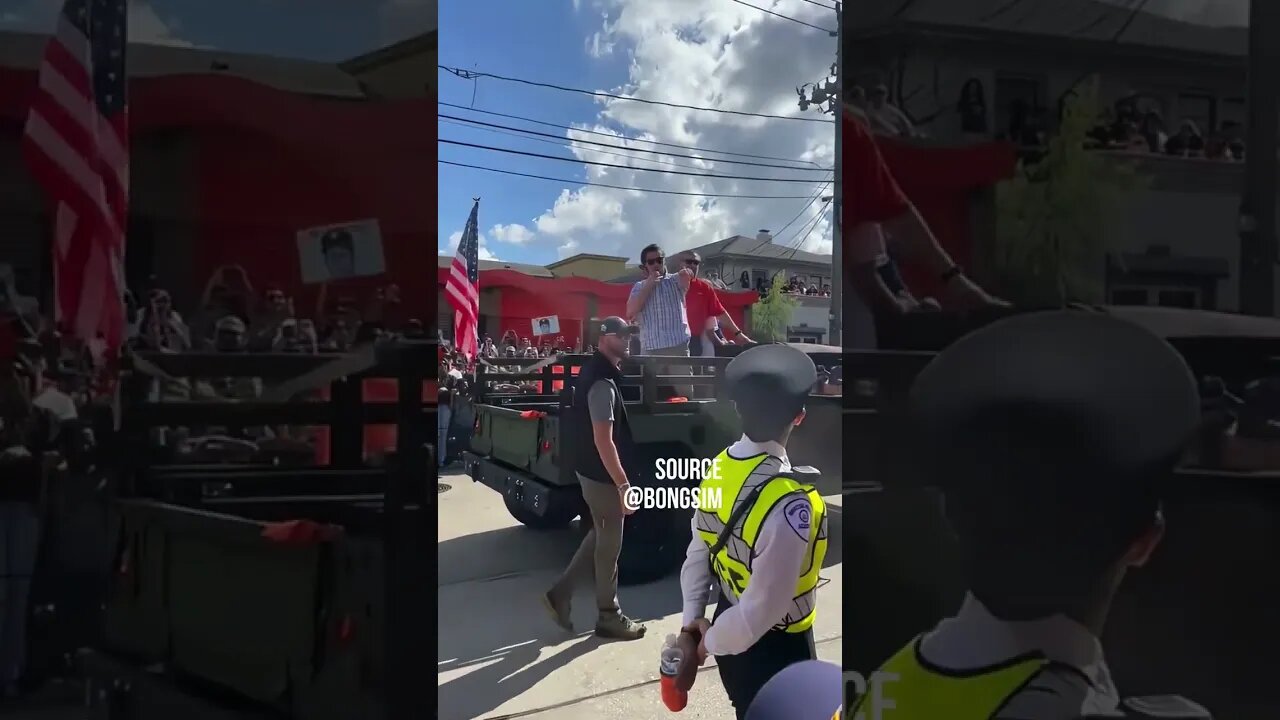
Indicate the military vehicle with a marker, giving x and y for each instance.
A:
(1196, 621)
(256, 589)
(517, 443)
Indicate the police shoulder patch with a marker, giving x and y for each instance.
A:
(799, 515)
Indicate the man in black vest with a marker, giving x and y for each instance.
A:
(602, 470)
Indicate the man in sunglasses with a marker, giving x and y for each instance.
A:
(657, 303)
(703, 308)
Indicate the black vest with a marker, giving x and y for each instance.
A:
(584, 458)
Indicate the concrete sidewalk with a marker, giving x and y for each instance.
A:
(500, 657)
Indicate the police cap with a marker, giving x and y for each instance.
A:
(770, 378)
(1078, 400)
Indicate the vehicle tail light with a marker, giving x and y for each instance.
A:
(546, 446)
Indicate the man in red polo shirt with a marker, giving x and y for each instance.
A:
(874, 206)
(701, 307)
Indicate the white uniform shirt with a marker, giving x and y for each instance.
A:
(975, 638)
(780, 551)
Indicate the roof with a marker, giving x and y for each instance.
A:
(1087, 20)
(423, 44)
(585, 256)
(743, 246)
(25, 51)
(445, 261)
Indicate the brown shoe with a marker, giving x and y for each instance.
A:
(559, 612)
(619, 627)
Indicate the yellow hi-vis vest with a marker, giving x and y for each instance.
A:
(923, 692)
(737, 480)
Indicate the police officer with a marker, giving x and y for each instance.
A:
(764, 543)
(1051, 434)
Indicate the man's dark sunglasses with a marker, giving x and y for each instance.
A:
(655, 260)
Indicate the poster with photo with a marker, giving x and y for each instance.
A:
(549, 325)
(340, 251)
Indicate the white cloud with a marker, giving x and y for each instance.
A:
(707, 53)
(513, 234)
(456, 238)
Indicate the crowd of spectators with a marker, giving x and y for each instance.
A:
(232, 317)
(796, 286)
(1126, 129)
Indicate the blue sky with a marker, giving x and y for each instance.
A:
(709, 53)
(543, 41)
(329, 30)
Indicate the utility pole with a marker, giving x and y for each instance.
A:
(1258, 206)
(837, 253)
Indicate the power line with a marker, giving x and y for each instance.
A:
(812, 199)
(821, 5)
(626, 137)
(804, 209)
(561, 140)
(623, 167)
(563, 143)
(473, 74)
(799, 240)
(786, 17)
(623, 187)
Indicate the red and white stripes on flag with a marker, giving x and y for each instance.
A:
(76, 143)
(463, 288)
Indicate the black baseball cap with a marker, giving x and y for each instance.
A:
(614, 325)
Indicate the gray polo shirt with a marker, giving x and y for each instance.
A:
(600, 400)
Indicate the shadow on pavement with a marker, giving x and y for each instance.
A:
(516, 670)
(515, 549)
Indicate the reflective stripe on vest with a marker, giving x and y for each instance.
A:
(926, 693)
(732, 565)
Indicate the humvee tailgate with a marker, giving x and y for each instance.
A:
(510, 437)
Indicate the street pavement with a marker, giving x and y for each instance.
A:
(500, 657)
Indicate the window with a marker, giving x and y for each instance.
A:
(1199, 109)
(1178, 296)
(1129, 296)
(1018, 102)
(1179, 299)
(1233, 112)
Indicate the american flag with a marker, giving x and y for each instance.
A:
(463, 288)
(76, 143)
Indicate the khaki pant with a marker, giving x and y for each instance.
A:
(599, 551)
(675, 368)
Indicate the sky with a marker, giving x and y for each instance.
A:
(709, 53)
(329, 30)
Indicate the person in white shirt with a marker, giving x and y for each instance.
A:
(764, 543)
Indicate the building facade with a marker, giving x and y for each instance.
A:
(965, 72)
(169, 207)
